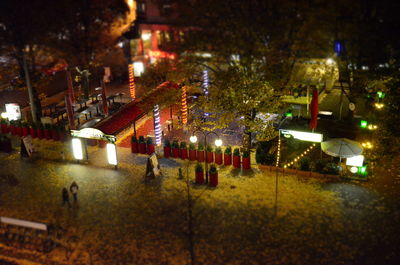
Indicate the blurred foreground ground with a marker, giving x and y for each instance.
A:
(122, 219)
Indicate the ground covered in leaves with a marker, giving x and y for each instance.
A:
(122, 218)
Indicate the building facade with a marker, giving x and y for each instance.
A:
(152, 35)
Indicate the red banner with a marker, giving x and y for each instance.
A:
(104, 98)
(70, 112)
(70, 87)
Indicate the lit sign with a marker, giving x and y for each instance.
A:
(138, 68)
(112, 154)
(13, 112)
(356, 161)
(304, 136)
(354, 170)
(91, 133)
(363, 124)
(77, 148)
(161, 54)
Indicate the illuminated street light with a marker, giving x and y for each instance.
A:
(330, 61)
(193, 139)
(218, 142)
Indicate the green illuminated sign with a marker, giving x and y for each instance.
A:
(289, 114)
(380, 94)
(362, 170)
(363, 124)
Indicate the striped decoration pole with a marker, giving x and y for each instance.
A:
(205, 82)
(184, 106)
(157, 124)
(132, 87)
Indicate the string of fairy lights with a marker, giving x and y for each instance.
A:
(184, 106)
(278, 153)
(300, 156)
(157, 124)
(132, 87)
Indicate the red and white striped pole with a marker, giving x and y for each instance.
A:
(184, 106)
(132, 87)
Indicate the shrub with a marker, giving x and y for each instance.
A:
(209, 148)
(192, 146)
(236, 152)
(141, 139)
(149, 140)
(228, 150)
(263, 157)
(200, 147)
(305, 163)
(218, 150)
(133, 139)
(183, 145)
(199, 167)
(331, 168)
(213, 169)
(167, 143)
(320, 166)
(246, 153)
(175, 144)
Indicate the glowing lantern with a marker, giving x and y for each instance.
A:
(157, 124)
(184, 106)
(132, 88)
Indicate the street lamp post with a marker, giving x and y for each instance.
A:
(218, 142)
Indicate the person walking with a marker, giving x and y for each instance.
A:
(74, 190)
(65, 196)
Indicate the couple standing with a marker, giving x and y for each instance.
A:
(73, 189)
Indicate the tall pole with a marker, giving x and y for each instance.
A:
(205, 154)
(30, 91)
(276, 175)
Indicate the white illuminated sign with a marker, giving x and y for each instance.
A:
(304, 136)
(356, 161)
(138, 68)
(13, 111)
(92, 133)
(112, 154)
(77, 148)
(354, 170)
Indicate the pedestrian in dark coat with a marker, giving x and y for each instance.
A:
(65, 196)
(74, 190)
